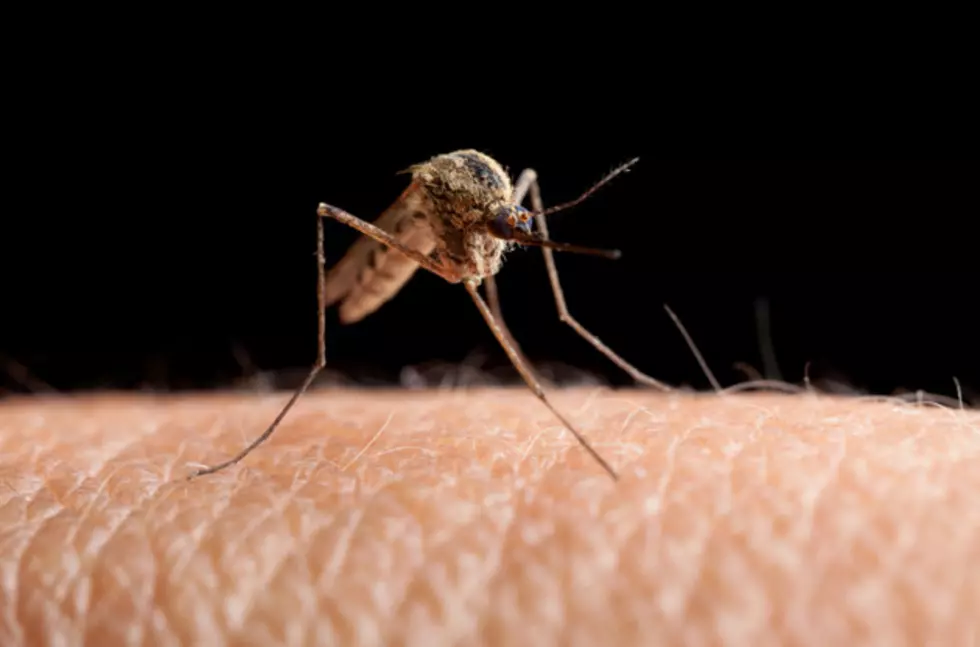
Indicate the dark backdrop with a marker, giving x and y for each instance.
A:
(175, 253)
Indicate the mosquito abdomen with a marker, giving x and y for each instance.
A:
(371, 274)
(384, 274)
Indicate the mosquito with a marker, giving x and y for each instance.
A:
(456, 219)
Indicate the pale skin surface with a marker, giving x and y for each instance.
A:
(435, 518)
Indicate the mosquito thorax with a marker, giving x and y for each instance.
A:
(463, 185)
(464, 190)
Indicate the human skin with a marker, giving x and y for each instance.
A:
(470, 518)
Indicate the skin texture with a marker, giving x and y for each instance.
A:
(470, 518)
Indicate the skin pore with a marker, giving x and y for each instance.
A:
(470, 517)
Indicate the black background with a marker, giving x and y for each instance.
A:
(163, 248)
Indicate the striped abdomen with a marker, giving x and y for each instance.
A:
(371, 274)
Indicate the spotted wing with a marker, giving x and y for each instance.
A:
(370, 273)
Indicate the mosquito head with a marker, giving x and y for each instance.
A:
(513, 222)
(510, 222)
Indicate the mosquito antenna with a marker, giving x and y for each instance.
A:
(595, 187)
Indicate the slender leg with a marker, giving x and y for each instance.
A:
(529, 180)
(532, 383)
(493, 298)
(321, 360)
(366, 228)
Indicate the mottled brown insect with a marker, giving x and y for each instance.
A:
(456, 219)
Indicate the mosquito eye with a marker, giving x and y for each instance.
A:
(502, 225)
(524, 224)
(510, 219)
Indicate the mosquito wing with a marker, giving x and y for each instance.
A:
(371, 274)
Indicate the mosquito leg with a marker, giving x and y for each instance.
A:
(528, 180)
(493, 298)
(321, 360)
(425, 261)
(532, 383)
